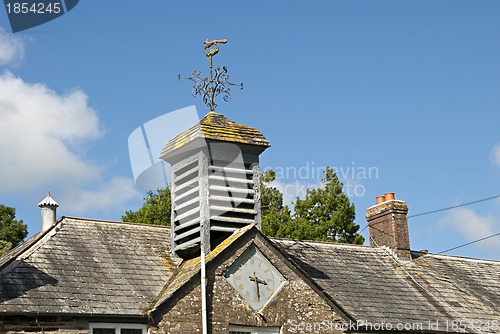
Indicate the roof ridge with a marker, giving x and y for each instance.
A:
(94, 220)
(338, 244)
(459, 258)
(14, 252)
(27, 248)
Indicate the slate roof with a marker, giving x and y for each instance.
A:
(83, 266)
(373, 286)
(217, 127)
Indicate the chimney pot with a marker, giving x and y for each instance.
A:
(49, 208)
(389, 197)
(380, 199)
(388, 225)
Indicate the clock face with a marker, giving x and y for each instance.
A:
(254, 278)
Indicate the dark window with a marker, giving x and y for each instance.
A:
(238, 332)
(103, 331)
(131, 331)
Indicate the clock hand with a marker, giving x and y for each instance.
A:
(257, 281)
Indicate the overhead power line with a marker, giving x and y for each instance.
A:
(455, 206)
(447, 208)
(450, 208)
(469, 243)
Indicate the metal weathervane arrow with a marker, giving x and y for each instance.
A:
(218, 83)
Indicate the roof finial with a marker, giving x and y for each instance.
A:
(209, 88)
(48, 201)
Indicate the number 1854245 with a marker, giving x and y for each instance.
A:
(34, 8)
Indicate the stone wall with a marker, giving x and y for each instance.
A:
(42, 324)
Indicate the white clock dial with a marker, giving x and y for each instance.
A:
(254, 278)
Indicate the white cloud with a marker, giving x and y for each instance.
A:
(110, 195)
(11, 48)
(473, 227)
(41, 136)
(495, 155)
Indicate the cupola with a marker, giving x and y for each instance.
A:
(215, 182)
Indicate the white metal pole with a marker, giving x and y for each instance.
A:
(203, 288)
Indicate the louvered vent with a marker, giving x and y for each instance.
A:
(231, 202)
(232, 197)
(186, 216)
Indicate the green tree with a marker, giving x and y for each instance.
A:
(5, 246)
(325, 214)
(155, 210)
(274, 214)
(12, 231)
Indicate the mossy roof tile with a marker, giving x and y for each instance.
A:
(215, 126)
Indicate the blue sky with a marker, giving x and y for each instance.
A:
(408, 90)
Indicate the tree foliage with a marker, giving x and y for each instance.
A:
(155, 210)
(12, 231)
(274, 214)
(325, 214)
(5, 246)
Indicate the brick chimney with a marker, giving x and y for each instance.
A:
(388, 225)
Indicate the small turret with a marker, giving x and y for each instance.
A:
(49, 208)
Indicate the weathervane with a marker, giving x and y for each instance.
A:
(209, 88)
